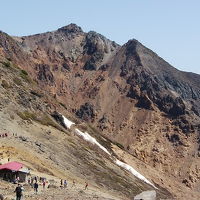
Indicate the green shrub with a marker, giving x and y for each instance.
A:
(119, 145)
(44, 119)
(24, 72)
(6, 64)
(24, 75)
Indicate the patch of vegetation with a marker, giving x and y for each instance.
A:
(36, 93)
(119, 145)
(63, 105)
(24, 75)
(5, 84)
(44, 119)
(48, 121)
(24, 72)
(26, 115)
(7, 64)
(17, 81)
(16, 66)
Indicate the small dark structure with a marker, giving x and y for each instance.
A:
(13, 172)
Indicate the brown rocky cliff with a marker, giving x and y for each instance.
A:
(128, 92)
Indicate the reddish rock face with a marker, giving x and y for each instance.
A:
(131, 94)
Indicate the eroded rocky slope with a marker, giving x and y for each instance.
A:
(131, 95)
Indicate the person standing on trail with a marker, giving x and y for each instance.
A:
(86, 185)
(61, 183)
(18, 191)
(65, 184)
(43, 184)
(18, 179)
(35, 187)
(1, 197)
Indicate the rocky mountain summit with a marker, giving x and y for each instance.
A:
(131, 97)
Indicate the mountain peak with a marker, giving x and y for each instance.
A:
(71, 28)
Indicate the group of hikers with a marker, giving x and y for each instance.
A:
(19, 189)
(64, 184)
(4, 135)
(34, 183)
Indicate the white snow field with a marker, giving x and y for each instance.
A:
(89, 138)
(133, 171)
(67, 122)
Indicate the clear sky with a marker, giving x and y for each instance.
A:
(171, 28)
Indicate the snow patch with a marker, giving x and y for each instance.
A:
(133, 171)
(89, 138)
(67, 122)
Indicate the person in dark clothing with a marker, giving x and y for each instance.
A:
(86, 185)
(35, 187)
(1, 197)
(18, 191)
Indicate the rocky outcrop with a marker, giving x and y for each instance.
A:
(59, 118)
(96, 47)
(146, 85)
(45, 74)
(11, 49)
(71, 30)
(86, 112)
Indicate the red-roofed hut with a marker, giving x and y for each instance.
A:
(13, 171)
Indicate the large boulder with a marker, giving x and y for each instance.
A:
(146, 195)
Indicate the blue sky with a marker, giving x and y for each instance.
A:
(171, 28)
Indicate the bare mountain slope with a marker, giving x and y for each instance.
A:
(132, 96)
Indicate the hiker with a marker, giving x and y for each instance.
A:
(18, 191)
(35, 186)
(18, 179)
(61, 183)
(32, 180)
(86, 185)
(1, 197)
(65, 184)
(43, 184)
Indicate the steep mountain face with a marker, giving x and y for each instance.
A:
(131, 95)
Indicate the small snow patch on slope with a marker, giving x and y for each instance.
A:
(133, 171)
(67, 122)
(89, 138)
